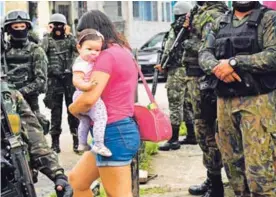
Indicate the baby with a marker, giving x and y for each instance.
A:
(89, 47)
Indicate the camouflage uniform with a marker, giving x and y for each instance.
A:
(60, 54)
(26, 69)
(33, 36)
(205, 132)
(42, 158)
(247, 124)
(179, 104)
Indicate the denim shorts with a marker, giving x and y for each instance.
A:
(123, 140)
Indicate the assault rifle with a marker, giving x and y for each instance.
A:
(156, 71)
(16, 178)
(179, 39)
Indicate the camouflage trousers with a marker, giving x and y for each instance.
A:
(205, 131)
(179, 100)
(247, 140)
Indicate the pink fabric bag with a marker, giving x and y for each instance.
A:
(154, 125)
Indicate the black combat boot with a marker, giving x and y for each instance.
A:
(55, 143)
(216, 189)
(75, 143)
(190, 139)
(173, 143)
(202, 188)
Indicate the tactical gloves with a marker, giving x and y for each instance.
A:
(61, 180)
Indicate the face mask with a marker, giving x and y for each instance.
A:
(19, 35)
(60, 31)
(200, 3)
(244, 6)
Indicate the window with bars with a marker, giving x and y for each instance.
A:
(82, 8)
(113, 9)
(167, 12)
(145, 10)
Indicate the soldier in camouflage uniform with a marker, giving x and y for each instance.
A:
(33, 36)
(179, 104)
(60, 48)
(25, 62)
(241, 52)
(42, 158)
(204, 103)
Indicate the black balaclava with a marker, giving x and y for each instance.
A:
(200, 3)
(18, 37)
(179, 22)
(60, 29)
(245, 6)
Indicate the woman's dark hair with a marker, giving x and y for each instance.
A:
(88, 34)
(95, 19)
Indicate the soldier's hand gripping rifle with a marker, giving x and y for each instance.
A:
(16, 178)
(159, 58)
(179, 39)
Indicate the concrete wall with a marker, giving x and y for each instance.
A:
(19, 5)
(137, 32)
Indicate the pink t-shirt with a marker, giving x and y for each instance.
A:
(119, 94)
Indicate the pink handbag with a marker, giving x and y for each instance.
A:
(154, 125)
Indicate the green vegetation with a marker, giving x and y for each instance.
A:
(154, 190)
(182, 129)
(148, 149)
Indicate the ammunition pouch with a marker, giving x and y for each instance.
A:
(251, 85)
(194, 71)
(208, 102)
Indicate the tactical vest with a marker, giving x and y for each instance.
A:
(242, 40)
(20, 65)
(190, 55)
(60, 55)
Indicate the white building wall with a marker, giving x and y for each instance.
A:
(137, 32)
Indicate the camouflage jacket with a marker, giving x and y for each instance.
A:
(60, 53)
(33, 36)
(258, 62)
(201, 24)
(42, 157)
(177, 56)
(27, 67)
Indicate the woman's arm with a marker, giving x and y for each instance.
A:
(87, 99)
(80, 83)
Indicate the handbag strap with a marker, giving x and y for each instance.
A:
(151, 98)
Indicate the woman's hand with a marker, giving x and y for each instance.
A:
(87, 99)
(71, 110)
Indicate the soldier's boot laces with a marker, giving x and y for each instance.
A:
(173, 143)
(55, 143)
(216, 188)
(190, 139)
(75, 143)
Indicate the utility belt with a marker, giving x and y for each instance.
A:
(194, 71)
(251, 85)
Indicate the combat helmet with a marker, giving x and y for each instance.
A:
(58, 18)
(182, 7)
(17, 16)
